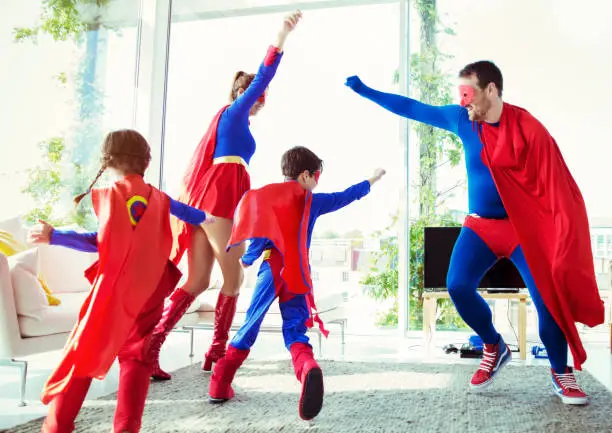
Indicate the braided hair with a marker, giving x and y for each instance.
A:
(124, 150)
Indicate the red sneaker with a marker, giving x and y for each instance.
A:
(566, 387)
(494, 357)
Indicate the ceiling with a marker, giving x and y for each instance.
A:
(125, 12)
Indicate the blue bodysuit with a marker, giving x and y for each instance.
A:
(88, 241)
(294, 309)
(234, 136)
(476, 249)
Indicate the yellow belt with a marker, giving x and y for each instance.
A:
(231, 160)
(266, 254)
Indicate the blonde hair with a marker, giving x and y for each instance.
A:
(125, 150)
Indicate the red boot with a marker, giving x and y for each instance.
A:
(224, 314)
(131, 396)
(175, 307)
(220, 389)
(310, 375)
(65, 407)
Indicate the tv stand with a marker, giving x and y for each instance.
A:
(503, 291)
(430, 305)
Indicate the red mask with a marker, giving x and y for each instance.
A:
(317, 175)
(466, 93)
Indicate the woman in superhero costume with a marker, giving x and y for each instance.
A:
(215, 180)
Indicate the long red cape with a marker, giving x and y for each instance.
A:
(133, 263)
(280, 213)
(193, 193)
(548, 213)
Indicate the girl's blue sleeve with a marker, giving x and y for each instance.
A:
(86, 242)
(187, 213)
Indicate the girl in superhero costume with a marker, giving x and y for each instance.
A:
(215, 180)
(278, 219)
(523, 205)
(130, 280)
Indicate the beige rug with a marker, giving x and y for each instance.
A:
(362, 397)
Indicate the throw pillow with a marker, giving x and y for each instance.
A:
(9, 246)
(30, 298)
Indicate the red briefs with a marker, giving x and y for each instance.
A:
(498, 234)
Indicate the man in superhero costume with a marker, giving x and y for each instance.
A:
(278, 219)
(129, 281)
(524, 205)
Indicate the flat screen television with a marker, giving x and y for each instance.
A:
(439, 242)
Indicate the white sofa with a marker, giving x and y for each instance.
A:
(22, 336)
(62, 269)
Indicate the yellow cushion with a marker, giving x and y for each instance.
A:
(10, 246)
(52, 299)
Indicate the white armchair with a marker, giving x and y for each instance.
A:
(48, 330)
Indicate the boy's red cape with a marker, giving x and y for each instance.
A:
(280, 213)
(548, 213)
(193, 193)
(133, 263)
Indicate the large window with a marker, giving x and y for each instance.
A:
(70, 80)
(554, 62)
(308, 105)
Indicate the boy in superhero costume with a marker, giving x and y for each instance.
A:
(524, 205)
(129, 281)
(278, 219)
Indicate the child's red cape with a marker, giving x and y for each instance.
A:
(193, 193)
(280, 213)
(548, 213)
(133, 262)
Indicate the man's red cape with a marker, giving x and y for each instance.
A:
(549, 216)
(133, 263)
(280, 213)
(193, 193)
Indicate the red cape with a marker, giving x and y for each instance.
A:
(548, 213)
(280, 213)
(133, 262)
(193, 192)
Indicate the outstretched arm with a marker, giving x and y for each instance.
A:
(331, 202)
(44, 233)
(189, 214)
(326, 203)
(243, 104)
(86, 242)
(445, 116)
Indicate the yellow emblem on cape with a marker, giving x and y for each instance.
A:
(136, 207)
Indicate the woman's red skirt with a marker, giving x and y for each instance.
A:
(223, 186)
(218, 193)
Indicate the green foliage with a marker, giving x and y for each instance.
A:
(44, 182)
(436, 148)
(61, 78)
(382, 281)
(50, 190)
(66, 170)
(60, 19)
